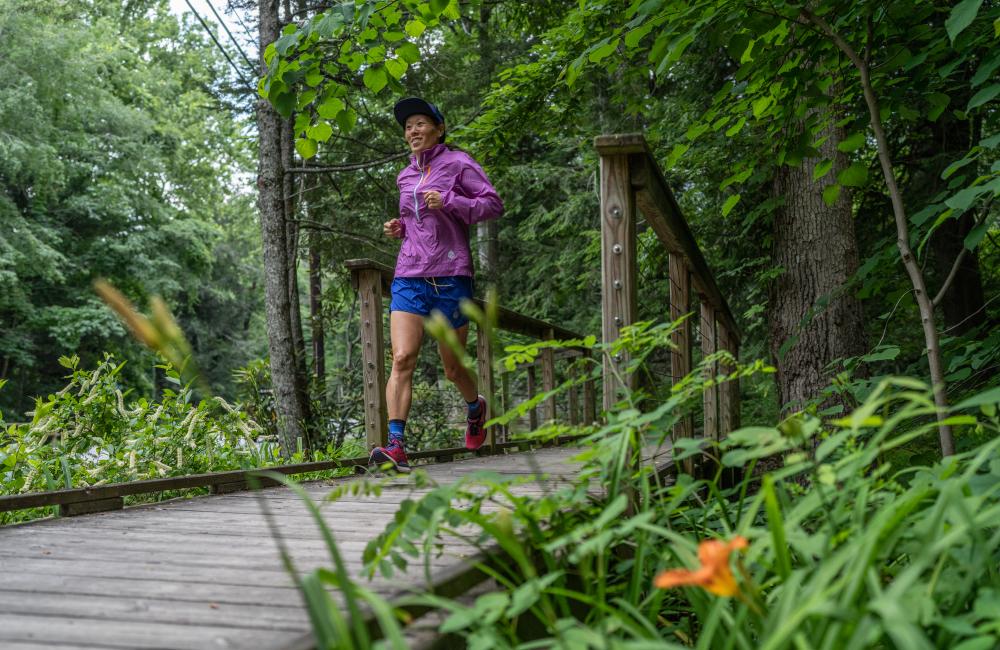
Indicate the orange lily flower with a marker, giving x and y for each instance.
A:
(714, 574)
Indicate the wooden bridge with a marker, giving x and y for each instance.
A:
(205, 572)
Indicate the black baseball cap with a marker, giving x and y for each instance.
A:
(416, 106)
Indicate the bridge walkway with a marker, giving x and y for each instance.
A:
(206, 572)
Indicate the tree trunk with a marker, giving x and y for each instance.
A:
(292, 410)
(315, 297)
(814, 319)
(292, 239)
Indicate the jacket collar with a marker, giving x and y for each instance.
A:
(428, 155)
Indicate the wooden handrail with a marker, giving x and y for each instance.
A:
(631, 181)
(372, 280)
(663, 215)
(98, 498)
(509, 319)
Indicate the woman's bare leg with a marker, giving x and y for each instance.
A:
(455, 371)
(406, 333)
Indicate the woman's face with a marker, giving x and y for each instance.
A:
(422, 133)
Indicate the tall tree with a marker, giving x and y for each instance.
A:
(814, 317)
(291, 405)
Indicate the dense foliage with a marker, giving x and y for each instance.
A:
(92, 433)
(852, 542)
(130, 164)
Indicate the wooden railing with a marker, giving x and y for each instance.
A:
(372, 281)
(632, 182)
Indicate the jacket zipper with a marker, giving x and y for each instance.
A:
(416, 203)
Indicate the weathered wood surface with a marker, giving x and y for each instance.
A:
(205, 572)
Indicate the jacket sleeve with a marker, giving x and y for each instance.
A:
(473, 198)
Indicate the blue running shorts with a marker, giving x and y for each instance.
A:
(422, 295)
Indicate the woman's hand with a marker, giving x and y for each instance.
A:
(393, 228)
(433, 199)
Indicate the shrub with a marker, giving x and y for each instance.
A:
(91, 433)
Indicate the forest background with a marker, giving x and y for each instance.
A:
(141, 163)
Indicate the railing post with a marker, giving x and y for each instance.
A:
(505, 403)
(618, 266)
(574, 398)
(680, 356)
(726, 421)
(369, 285)
(589, 397)
(548, 357)
(734, 387)
(532, 388)
(710, 396)
(484, 364)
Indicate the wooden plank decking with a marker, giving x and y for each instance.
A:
(205, 572)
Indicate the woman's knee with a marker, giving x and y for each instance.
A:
(454, 371)
(404, 361)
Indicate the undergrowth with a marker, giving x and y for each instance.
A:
(838, 547)
(92, 433)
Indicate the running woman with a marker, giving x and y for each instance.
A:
(442, 192)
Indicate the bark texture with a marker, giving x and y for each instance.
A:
(813, 319)
(292, 409)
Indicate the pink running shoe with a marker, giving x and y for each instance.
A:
(391, 453)
(475, 432)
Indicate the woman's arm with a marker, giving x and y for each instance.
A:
(477, 200)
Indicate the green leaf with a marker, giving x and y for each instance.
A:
(375, 78)
(346, 119)
(976, 235)
(983, 96)
(962, 199)
(736, 128)
(321, 132)
(854, 176)
(696, 130)
(330, 107)
(437, 6)
(285, 43)
(415, 27)
(775, 523)
(396, 67)
(314, 77)
(633, 37)
(738, 177)
(761, 104)
(305, 98)
(991, 396)
(821, 169)
(938, 102)
(852, 142)
(459, 620)
(330, 24)
(675, 154)
(986, 70)
(885, 353)
(830, 194)
(284, 103)
(408, 52)
(306, 147)
(730, 203)
(961, 17)
(604, 51)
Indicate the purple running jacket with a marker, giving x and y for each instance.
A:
(436, 242)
